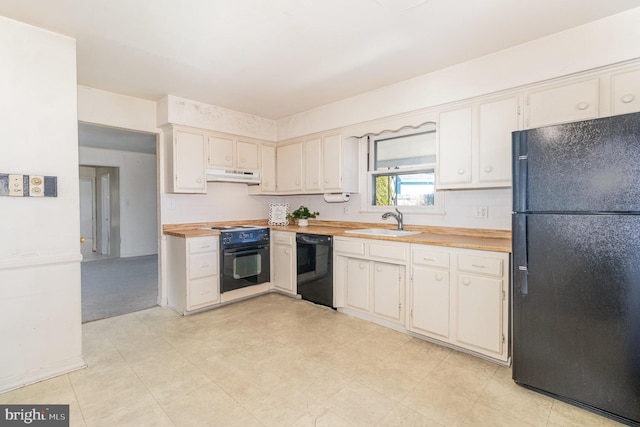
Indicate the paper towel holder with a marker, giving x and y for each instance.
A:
(336, 197)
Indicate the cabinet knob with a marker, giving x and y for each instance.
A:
(286, 251)
(198, 180)
(379, 269)
(627, 98)
(227, 158)
(82, 240)
(315, 181)
(582, 106)
(242, 160)
(266, 182)
(466, 282)
(361, 266)
(438, 277)
(488, 169)
(460, 171)
(326, 181)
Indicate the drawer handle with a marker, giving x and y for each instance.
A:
(466, 282)
(582, 106)
(205, 266)
(438, 277)
(429, 259)
(205, 247)
(478, 266)
(627, 98)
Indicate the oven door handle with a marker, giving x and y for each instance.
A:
(235, 252)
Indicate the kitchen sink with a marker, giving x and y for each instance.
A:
(382, 232)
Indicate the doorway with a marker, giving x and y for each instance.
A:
(118, 221)
(99, 212)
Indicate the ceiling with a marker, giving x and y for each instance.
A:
(275, 58)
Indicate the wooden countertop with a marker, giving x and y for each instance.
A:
(469, 238)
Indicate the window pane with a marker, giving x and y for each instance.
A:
(411, 189)
(410, 150)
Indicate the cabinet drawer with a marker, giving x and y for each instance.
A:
(480, 265)
(201, 265)
(202, 244)
(388, 252)
(283, 239)
(430, 258)
(351, 247)
(203, 291)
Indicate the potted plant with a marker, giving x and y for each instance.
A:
(302, 215)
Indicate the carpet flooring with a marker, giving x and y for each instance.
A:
(116, 286)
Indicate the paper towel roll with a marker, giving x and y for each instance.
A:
(336, 197)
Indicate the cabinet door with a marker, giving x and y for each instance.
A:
(388, 290)
(430, 301)
(189, 162)
(248, 157)
(497, 120)
(312, 160)
(289, 167)
(284, 268)
(203, 292)
(357, 284)
(569, 103)
(332, 163)
(454, 147)
(479, 312)
(268, 163)
(625, 93)
(220, 152)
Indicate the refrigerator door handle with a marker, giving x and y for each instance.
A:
(520, 260)
(524, 285)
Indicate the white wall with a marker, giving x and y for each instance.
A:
(138, 198)
(40, 310)
(599, 43)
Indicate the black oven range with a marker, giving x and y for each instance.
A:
(244, 256)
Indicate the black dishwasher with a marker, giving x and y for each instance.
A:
(315, 268)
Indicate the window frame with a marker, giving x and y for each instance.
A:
(368, 145)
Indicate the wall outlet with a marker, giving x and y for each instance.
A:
(481, 212)
(346, 210)
(36, 186)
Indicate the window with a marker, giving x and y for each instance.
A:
(401, 169)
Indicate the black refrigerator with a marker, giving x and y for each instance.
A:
(576, 263)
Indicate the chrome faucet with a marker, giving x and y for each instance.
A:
(397, 216)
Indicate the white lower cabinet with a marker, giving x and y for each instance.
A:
(461, 297)
(370, 277)
(193, 282)
(283, 253)
(458, 297)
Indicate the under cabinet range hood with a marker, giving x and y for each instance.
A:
(226, 175)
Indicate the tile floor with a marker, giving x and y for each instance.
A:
(277, 361)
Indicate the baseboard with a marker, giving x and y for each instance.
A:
(41, 374)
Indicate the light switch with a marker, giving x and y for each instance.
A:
(16, 185)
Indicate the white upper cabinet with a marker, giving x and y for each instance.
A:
(289, 167)
(268, 171)
(186, 160)
(497, 120)
(566, 103)
(313, 164)
(474, 144)
(229, 152)
(317, 164)
(454, 147)
(625, 92)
